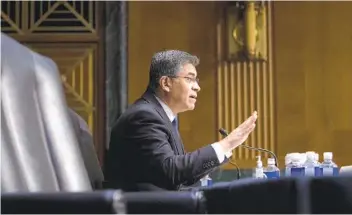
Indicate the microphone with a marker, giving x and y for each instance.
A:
(237, 169)
(224, 133)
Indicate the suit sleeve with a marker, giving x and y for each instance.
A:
(150, 135)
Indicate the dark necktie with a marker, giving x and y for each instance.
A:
(175, 126)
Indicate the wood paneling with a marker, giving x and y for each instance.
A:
(312, 52)
(243, 87)
(188, 26)
(306, 99)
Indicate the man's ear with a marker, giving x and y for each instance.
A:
(165, 83)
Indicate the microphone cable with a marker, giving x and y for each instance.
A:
(224, 133)
(237, 169)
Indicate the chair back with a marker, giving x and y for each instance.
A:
(40, 152)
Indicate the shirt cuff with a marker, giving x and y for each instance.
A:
(220, 153)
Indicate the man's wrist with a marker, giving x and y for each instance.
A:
(225, 146)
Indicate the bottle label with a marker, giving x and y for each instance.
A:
(318, 171)
(330, 171)
(205, 182)
(288, 171)
(275, 174)
(336, 171)
(297, 171)
(309, 171)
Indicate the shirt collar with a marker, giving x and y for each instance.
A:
(167, 110)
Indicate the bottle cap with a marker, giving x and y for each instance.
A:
(310, 156)
(288, 160)
(327, 155)
(296, 157)
(303, 158)
(316, 156)
(271, 161)
(288, 157)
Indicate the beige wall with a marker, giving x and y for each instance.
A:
(312, 57)
(188, 26)
(312, 50)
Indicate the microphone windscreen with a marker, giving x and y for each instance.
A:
(223, 132)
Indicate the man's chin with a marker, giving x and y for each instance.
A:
(191, 107)
(188, 108)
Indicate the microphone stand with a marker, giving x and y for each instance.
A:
(263, 150)
(237, 169)
(224, 133)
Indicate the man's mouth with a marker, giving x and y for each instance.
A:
(193, 97)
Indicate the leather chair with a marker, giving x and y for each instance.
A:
(104, 202)
(98, 202)
(328, 195)
(86, 146)
(165, 202)
(331, 195)
(41, 151)
(42, 169)
(251, 196)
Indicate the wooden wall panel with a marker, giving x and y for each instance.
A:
(303, 94)
(243, 87)
(312, 50)
(188, 26)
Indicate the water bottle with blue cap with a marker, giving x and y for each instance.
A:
(271, 171)
(206, 181)
(329, 168)
(295, 167)
(311, 166)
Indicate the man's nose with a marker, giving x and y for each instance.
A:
(196, 87)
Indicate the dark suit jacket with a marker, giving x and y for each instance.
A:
(86, 145)
(145, 153)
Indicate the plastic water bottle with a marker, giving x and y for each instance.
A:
(271, 171)
(318, 164)
(206, 181)
(296, 167)
(311, 167)
(288, 164)
(329, 168)
(259, 170)
(317, 158)
(303, 158)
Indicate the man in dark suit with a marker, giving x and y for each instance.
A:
(86, 146)
(146, 151)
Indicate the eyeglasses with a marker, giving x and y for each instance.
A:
(190, 80)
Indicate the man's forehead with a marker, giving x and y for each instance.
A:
(188, 69)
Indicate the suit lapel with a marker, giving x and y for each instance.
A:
(150, 98)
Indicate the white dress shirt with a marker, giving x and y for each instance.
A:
(216, 146)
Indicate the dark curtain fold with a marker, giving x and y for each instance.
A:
(116, 60)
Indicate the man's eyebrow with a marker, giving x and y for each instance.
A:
(192, 74)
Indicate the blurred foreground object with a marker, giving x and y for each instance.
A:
(40, 152)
